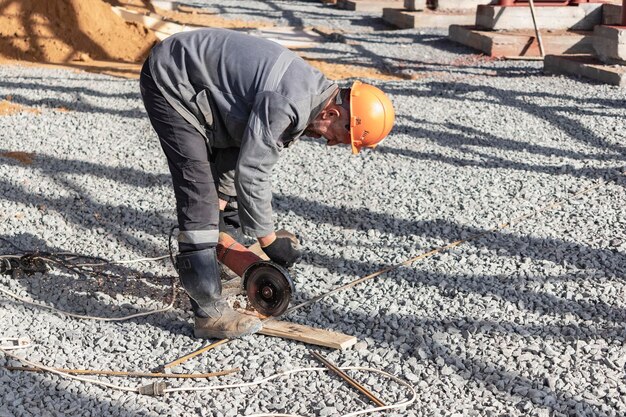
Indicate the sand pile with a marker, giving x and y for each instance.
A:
(67, 30)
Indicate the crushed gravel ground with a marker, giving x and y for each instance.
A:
(527, 320)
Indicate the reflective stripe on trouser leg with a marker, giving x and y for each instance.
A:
(198, 237)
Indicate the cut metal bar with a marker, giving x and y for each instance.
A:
(531, 3)
(191, 355)
(125, 373)
(348, 379)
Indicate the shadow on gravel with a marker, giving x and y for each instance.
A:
(504, 243)
(495, 378)
(281, 10)
(36, 393)
(85, 288)
(53, 166)
(517, 289)
(77, 103)
(517, 101)
(490, 162)
(108, 221)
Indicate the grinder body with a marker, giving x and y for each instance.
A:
(268, 285)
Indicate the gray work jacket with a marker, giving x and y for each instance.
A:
(246, 92)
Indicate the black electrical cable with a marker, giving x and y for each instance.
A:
(36, 261)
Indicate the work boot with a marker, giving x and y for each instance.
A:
(224, 322)
(199, 276)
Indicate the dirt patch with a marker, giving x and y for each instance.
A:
(25, 158)
(8, 108)
(88, 35)
(67, 30)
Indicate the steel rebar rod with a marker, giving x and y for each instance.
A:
(126, 373)
(191, 355)
(348, 379)
(531, 3)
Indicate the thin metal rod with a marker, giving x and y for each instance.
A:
(125, 373)
(191, 355)
(531, 3)
(348, 379)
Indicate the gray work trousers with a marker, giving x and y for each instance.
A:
(199, 174)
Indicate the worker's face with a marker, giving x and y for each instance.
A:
(333, 124)
(339, 131)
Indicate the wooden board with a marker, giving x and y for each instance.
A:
(494, 17)
(307, 334)
(521, 43)
(161, 28)
(288, 37)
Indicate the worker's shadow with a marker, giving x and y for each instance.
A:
(95, 290)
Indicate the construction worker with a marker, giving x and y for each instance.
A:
(224, 105)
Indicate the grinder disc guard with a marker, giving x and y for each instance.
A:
(269, 288)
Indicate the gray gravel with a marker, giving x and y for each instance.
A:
(524, 321)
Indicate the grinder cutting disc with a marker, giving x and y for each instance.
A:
(269, 288)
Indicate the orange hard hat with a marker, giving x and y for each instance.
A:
(371, 116)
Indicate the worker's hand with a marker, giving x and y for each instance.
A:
(283, 251)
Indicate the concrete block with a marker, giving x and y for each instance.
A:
(413, 5)
(521, 43)
(582, 17)
(609, 42)
(585, 66)
(611, 14)
(466, 5)
(405, 19)
(375, 6)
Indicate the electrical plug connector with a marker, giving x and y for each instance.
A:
(154, 389)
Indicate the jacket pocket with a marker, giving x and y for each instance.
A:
(236, 126)
(202, 101)
(197, 171)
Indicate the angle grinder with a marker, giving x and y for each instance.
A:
(268, 286)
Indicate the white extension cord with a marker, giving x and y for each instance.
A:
(262, 381)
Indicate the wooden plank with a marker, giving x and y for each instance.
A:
(549, 17)
(307, 334)
(520, 43)
(162, 28)
(289, 37)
